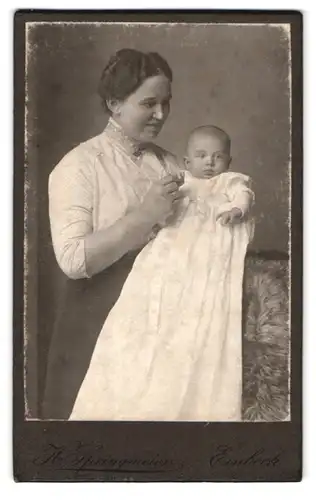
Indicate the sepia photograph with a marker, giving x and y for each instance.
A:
(158, 221)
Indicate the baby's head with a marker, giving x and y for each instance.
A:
(208, 152)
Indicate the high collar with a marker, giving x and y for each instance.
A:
(116, 133)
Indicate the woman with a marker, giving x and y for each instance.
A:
(106, 198)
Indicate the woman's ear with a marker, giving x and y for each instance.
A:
(114, 106)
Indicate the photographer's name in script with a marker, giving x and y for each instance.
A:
(94, 458)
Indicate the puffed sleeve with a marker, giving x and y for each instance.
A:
(70, 214)
(239, 191)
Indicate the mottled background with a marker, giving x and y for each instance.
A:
(233, 76)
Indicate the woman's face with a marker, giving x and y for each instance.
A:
(144, 112)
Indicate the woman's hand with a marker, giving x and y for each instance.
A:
(230, 217)
(104, 247)
(159, 201)
(132, 231)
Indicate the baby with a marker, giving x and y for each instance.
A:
(208, 156)
(170, 349)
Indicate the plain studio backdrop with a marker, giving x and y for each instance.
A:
(232, 76)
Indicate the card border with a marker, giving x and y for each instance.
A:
(179, 459)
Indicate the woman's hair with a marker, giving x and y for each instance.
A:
(127, 70)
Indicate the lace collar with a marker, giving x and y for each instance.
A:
(130, 146)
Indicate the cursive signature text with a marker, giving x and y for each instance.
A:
(229, 456)
(83, 458)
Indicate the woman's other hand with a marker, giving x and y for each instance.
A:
(230, 217)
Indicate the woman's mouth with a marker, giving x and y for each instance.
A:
(154, 125)
(153, 128)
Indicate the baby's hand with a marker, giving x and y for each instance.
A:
(230, 217)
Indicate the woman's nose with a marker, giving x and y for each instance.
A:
(158, 112)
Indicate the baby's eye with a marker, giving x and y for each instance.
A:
(219, 157)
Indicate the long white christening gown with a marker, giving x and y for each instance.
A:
(170, 348)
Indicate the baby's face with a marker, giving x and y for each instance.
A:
(207, 156)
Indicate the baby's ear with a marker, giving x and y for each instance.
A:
(186, 162)
(229, 163)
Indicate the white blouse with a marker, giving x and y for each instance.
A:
(94, 186)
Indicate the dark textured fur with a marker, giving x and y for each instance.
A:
(266, 340)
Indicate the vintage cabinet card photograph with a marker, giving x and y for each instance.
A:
(158, 246)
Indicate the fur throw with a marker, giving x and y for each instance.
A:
(266, 342)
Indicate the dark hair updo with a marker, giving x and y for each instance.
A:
(127, 70)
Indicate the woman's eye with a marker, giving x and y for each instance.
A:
(148, 105)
